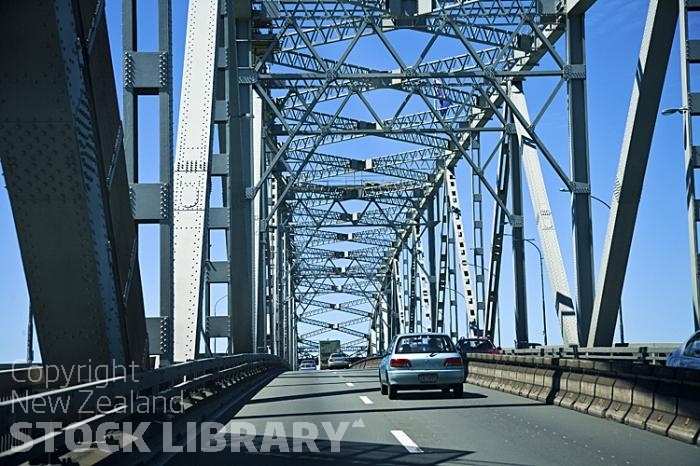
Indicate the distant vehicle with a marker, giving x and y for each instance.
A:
(421, 361)
(477, 345)
(687, 355)
(307, 366)
(338, 361)
(325, 349)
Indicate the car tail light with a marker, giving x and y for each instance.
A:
(453, 362)
(400, 363)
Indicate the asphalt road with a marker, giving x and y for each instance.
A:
(484, 427)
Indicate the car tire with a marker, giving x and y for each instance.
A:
(459, 390)
(385, 390)
(392, 392)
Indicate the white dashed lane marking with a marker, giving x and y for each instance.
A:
(406, 441)
(366, 400)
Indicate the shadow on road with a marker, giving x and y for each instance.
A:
(393, 409)
(349, 453)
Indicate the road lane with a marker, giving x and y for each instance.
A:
(484, 427)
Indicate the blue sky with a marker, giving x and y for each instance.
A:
(656, 300)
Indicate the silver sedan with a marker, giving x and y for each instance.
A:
(421, 361)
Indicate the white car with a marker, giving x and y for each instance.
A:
(307, 366)
(421, 361)
(338, 361)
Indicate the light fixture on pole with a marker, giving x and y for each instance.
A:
(671, 111)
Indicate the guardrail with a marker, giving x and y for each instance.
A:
(654, 397)
(116, 398)
(366, 363)
(650, 353)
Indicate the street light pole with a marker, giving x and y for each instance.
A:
(619, 312)
(544, 309)
(544, 313)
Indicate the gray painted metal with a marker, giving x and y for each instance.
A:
(460, 242)
(691, 154)
(497, 233)
(319, 186)
(241, 146)
(191, 178)
(63, 162)
(478, 233)
(433, 259)
(518, 238)
(580, 170)
(544, 218)
(641, 119)
(150, 73)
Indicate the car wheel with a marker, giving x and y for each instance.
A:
(459, 390)
(385, 389)
(392, 392)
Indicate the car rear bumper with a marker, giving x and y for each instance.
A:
(339, 365)
(411, 379)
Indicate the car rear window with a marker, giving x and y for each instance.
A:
(476, 344)
(424, 344)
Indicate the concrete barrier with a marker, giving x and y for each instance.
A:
(665, 407)
(621, 398)
(527, 379)
(563, 386)
(603, 396)
(660, 399)
(573, 389)
(686, 425)
(642, 402)
(586, 393)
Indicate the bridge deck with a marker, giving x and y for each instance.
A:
(484, 427)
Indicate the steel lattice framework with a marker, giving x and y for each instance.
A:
(349, 215)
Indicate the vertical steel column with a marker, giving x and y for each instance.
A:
(413, 289)
(518, 243)
(165, 129)
(478, 230)
(136, 66)
(692, 152)
(282, 259)
(497, 232)
(452, 272)
(241, 245)
(580, 171)
(432, 264)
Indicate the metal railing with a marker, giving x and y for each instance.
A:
(648, 353)
(112, 399)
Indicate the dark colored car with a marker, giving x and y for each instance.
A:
(477, 345)
(687, 355)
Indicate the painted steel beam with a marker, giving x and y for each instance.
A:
(641, 120)
(692, 151)
(63, 160)
(518, 238)
(150, 73)
(580, 172)
(191, 175)
(544, 218)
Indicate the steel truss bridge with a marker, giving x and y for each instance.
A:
(322, 140)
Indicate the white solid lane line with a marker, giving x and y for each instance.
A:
(406, 441)
(366, 400)
(349, 384)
